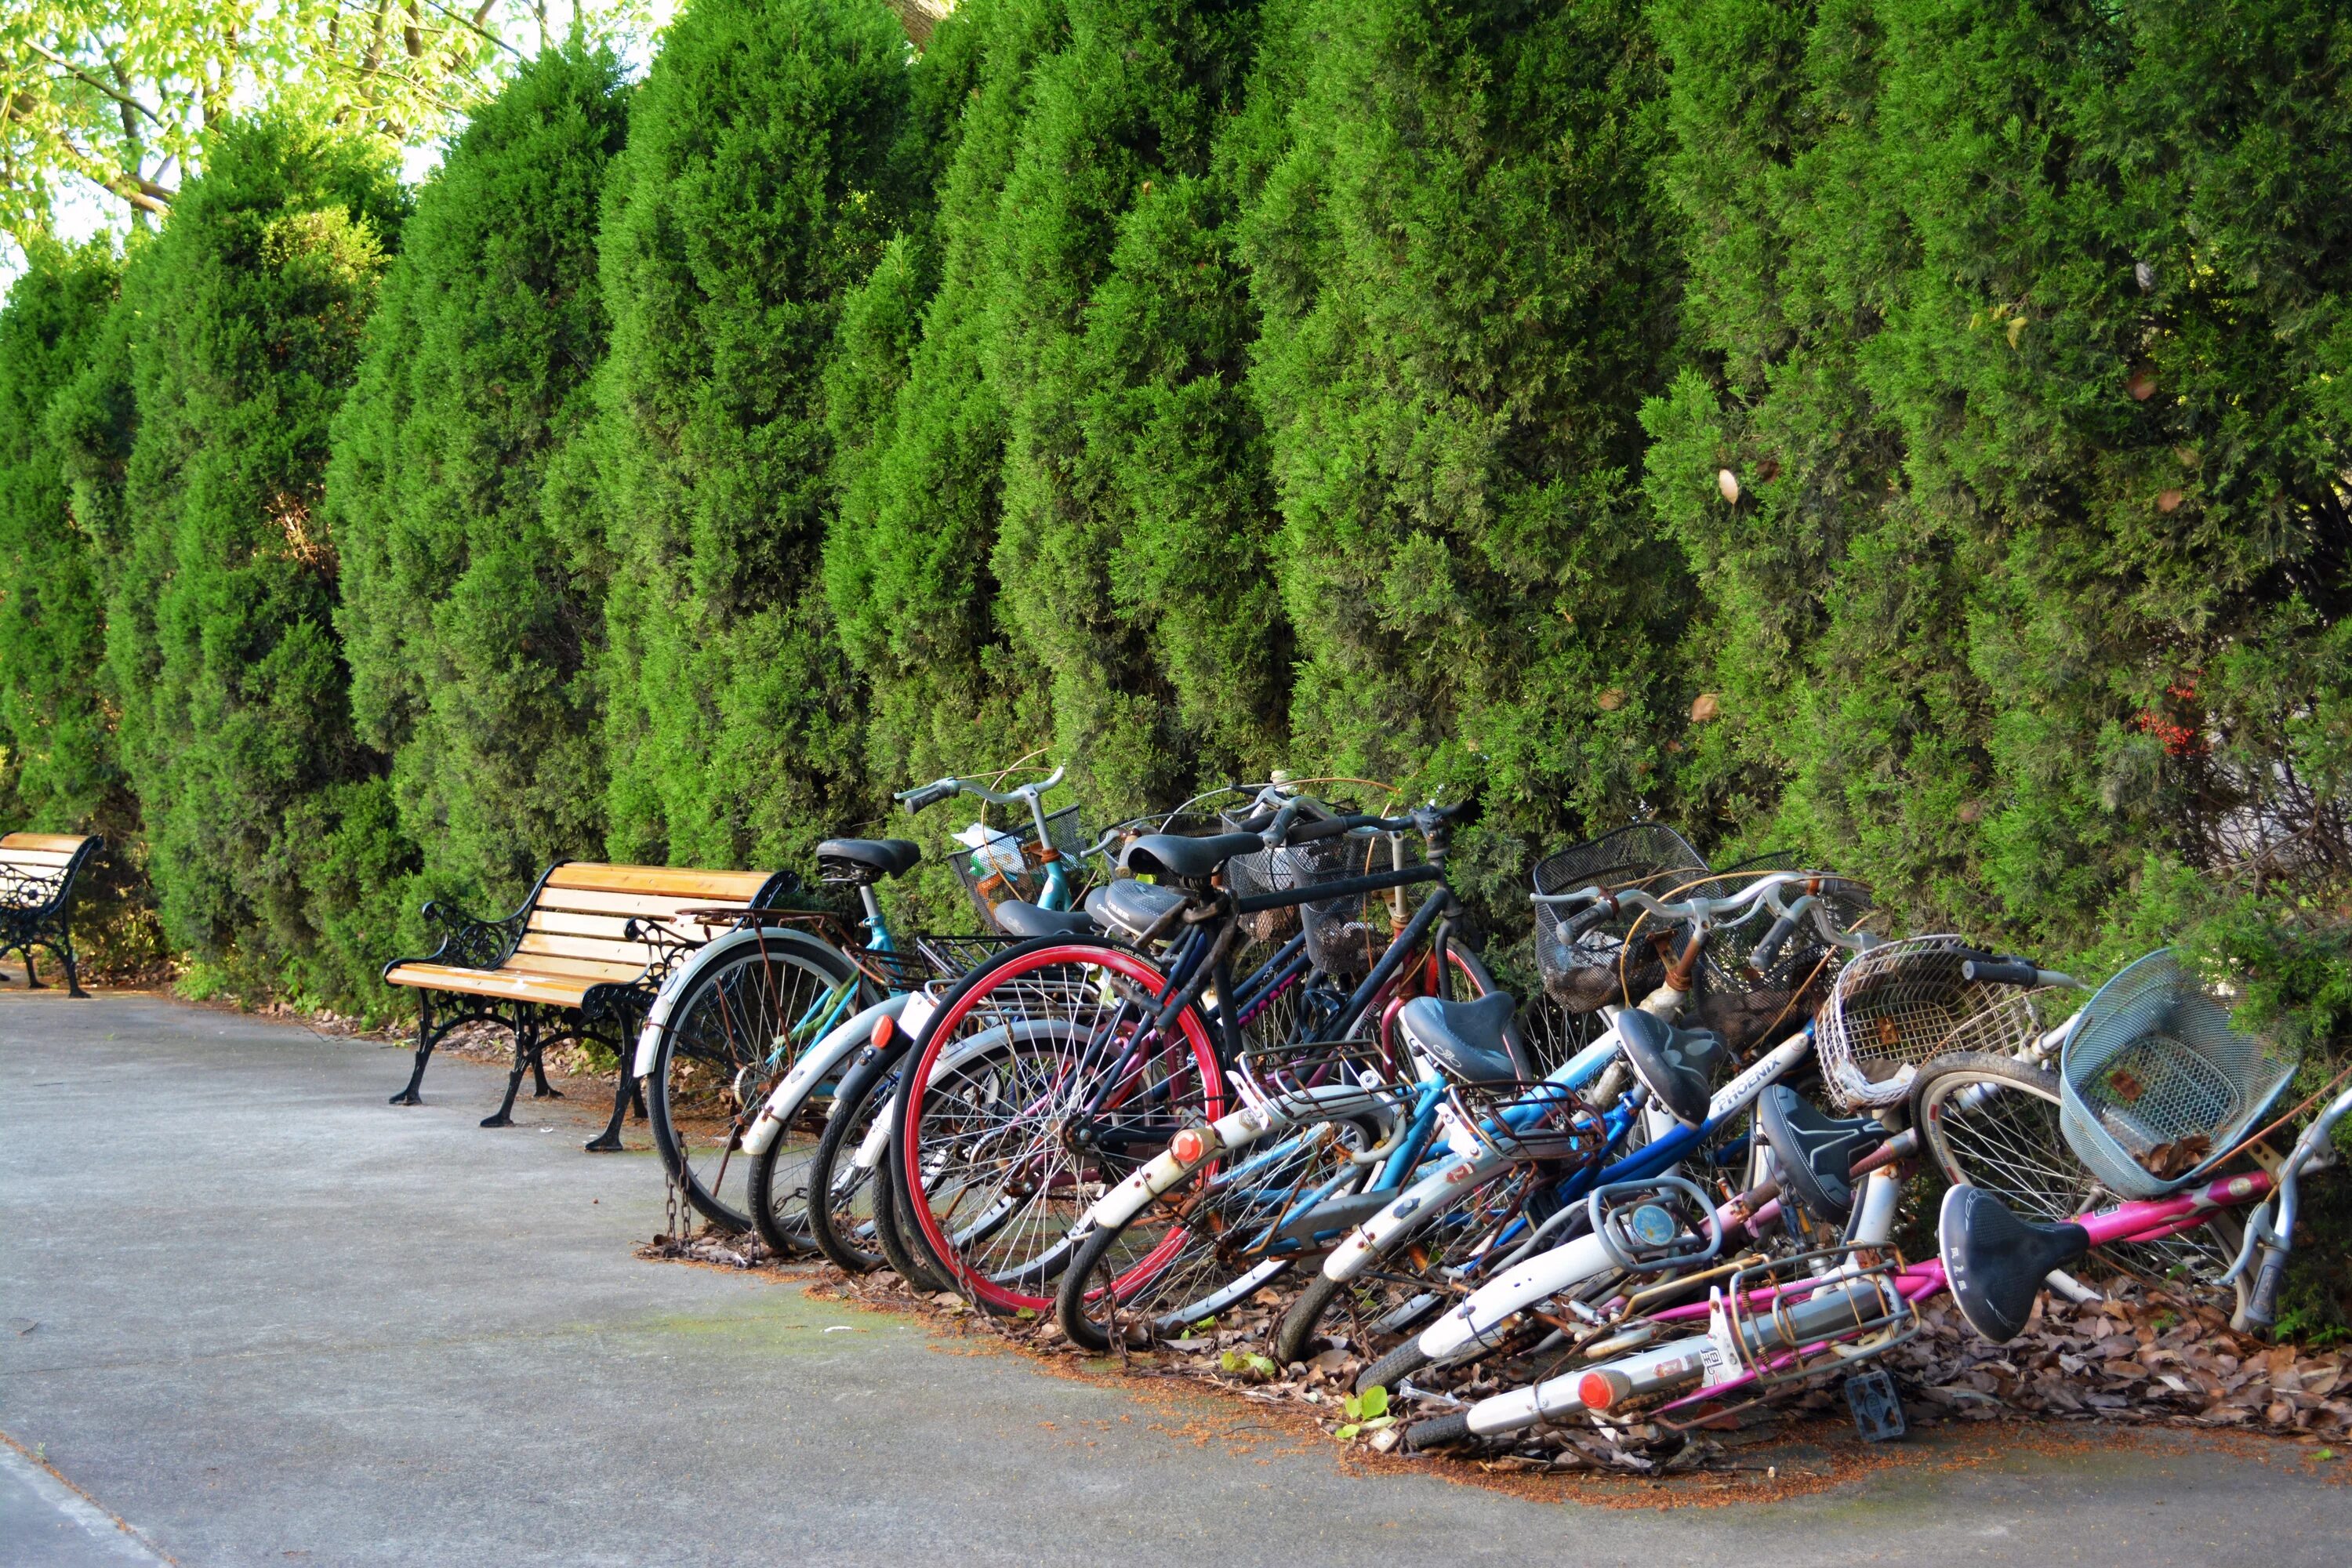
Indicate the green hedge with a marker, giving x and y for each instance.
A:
(1912, 435)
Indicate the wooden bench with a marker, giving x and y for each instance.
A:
(580, 960)
(37, 884)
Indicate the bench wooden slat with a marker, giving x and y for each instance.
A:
(638, 952)
(716, 885)
(588, 900)
(513, 984)
(56, 842)
(613, 928)
(46, 860)
(605, 967)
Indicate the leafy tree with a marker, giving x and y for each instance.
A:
(129, 99)
(755, 192)
(472, 634)
(1465, 297)
(198, 436)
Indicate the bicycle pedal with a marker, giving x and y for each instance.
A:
(1877, 1408)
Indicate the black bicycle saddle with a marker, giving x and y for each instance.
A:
(1131, 908)
(1678, 1064)
(1025, 920)
(865, 860)
(1816, 1151)
(1995, 1262)
(1187, 859)
(1465, 1038)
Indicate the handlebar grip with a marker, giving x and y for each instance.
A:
(1763, 956)
(2001, 972)
(1578, 925)
(1279, 830)
(930, 795)
(2261, 1307)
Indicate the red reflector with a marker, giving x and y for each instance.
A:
(1597, 1390)
(1188, 1145)
(883, 1028)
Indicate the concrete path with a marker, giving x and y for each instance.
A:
(255, 1315)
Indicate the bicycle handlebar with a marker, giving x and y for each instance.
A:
(1765, 893)
(928, 795)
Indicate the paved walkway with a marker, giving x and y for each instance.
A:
(256, 1315)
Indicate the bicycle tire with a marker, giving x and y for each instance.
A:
(1438, 1432)
(833, 1228)
(718, 1058)
(1394, 1367)
(1008, 1087)
(2014, 1147)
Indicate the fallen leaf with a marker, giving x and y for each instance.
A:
(1704, 707)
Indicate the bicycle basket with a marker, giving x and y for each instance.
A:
(1750, 1009)
(2155, 1084)
(1002, 864)
(1347, 935)
(1902, 1004)
(1594, 968)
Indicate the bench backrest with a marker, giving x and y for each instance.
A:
(34, 867)
(578, 916)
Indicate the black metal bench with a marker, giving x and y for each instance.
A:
(36, 886)
(581, 960)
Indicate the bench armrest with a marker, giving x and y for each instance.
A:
(468, 942)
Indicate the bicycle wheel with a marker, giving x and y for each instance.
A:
(1243, 1224)
(1040, 1082)
(858, 1225)
(1992, 1121)
(752, 1002)
(1408, 1284)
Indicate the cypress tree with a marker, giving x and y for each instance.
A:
(59, 771)
(922, 441)
(1131, 547)
(199, 437)
(755, 192)
(1465, 297)
(2025, 338)
(472, 630)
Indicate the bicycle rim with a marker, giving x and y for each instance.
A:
(998, 1155)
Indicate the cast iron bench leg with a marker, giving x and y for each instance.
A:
(524, 1030)
(541, 1088)
(424, 1049)
(73, 970)
(608, 1141)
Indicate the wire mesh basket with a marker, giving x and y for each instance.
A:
(2156, 1086)
(1900, 1005)
(1750, 1007)
(1008, 864)
(1347, 935)
(1585, 968)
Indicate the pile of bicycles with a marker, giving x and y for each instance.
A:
(1237, 1068)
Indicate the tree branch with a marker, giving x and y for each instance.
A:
(127, 101)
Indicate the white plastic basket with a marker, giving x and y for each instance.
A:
(2157, 1085)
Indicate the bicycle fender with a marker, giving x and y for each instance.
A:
(815, 1064)
(674, 983)
(1465, 1328)
(1557, 1399)
(1433, 1195)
